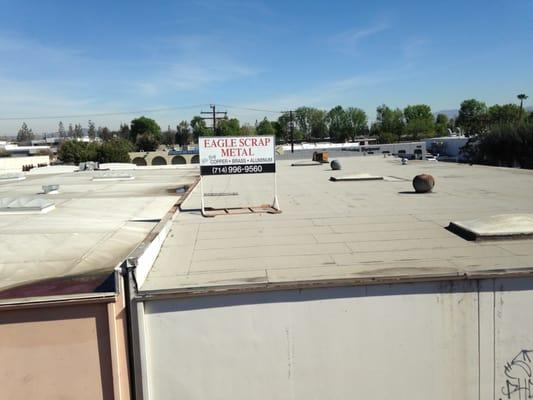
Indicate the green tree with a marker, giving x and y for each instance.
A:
(146, 142)
(168, 137)
(265, 128)
(441, 125)
(506, 114)
(247, 130)
(92, 130)
(25, 134)
(70, 152)
(357, 124)
(228, 127)
(282, 128)
(70, 131)
(419, 121)
(311, 122)
(521, 97)
(472, 117)
(142, 125)
(386, 137)
(124, 131)
(318, 120)
(74, 152)
(302, 119)
(61, 130)
(338, 125)
(390, 121)
(105, 134)
(78, 131)
(183, 134)
(114, 150)
(504, 145)
(199, 128)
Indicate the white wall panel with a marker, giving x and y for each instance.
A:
(412, 341)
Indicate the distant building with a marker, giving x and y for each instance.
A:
(447, 147)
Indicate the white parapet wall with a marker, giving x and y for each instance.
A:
(433, 340)
(15, 164)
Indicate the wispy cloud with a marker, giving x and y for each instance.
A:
(324, 95)
(190, 76)
(196, 62)
(348, 41)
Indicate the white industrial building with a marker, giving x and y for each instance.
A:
(356, 290)
(359, 288)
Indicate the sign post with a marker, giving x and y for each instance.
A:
(233, 155)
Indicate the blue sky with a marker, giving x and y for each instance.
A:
(70, 57)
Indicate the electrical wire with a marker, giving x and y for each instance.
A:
(251, 109)
(155, 110)
(146, 111)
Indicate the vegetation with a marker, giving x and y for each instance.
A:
(265, 128)
(25, 135)
(472, 117)
(183, 134)
(508, 144)
(114, 150)
(500, 134)
(146, 142)
(147, 127)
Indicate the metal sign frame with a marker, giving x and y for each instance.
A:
(238, 159)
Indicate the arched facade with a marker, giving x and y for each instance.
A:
(179, 160)
(140, 161)
(159, 161)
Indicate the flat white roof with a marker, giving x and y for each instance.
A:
(353, 231)
(93, 228)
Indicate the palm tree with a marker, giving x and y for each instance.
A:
(521, 97)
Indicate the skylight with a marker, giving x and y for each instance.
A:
(25, 205)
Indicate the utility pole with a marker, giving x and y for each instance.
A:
(214, 116)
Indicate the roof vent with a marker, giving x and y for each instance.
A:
(17, 176)
(88, 166)
(505, 226)
(113, 176)
(50, 189)
(25, 205)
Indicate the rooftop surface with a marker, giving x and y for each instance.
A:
(356, 231)
(93, 227)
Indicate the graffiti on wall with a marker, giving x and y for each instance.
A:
(518, 372)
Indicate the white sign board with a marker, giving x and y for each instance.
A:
(224, 155)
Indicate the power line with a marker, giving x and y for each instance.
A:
(252, 109)
(101, 114)
(146, 111)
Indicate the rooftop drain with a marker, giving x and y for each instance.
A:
(113, 176)
(25, 205)
(505, 226)
(17, 176)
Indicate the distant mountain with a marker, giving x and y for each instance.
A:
(449, 113)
